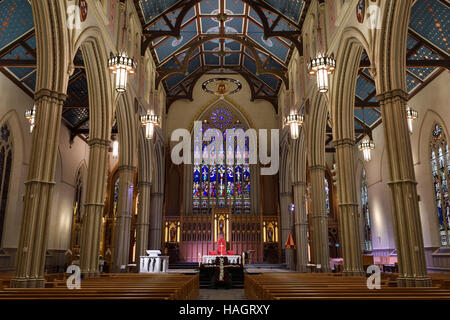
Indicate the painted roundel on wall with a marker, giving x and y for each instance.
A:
(83, 10)
(361, 10)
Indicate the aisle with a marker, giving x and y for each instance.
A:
(221, 294)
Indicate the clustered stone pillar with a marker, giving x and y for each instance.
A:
(301, 226)
(319, 230)
(402, 185)
(143, 219)
(156, 220)
(286, 226)
(95, 200)
(38, 191)
(123, 223)
(348, 208)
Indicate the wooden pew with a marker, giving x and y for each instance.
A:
(111, 287)
(284, 286)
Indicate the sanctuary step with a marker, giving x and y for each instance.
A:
(236, 283)
(184, 265)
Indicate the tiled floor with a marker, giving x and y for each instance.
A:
(221, 294)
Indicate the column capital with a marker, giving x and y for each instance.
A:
(343, 142)
(393, 94)
(144, 184)
(157, 194)
(126, 168)
(97, 142)
(53, 96)
(317, 167)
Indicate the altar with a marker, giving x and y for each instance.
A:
(221, 267)
(154, 262)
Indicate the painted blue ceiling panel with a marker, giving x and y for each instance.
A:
(424, 53)
(212, 59)
(273, 45)
(209, 25)
(188, 16)
(411, 42)
(430, 19)
(232, 59)
(292, 9)
(237, 24)
(411, 83)
(19, 53)
(171, 45)
(363, 88)
(234, 46)
(30, 81)
(210, 46)
(235, 6)
(270, 80)
(252, 14)
(368, 116)
(421, 73)
(16, 18)
(250, 65)
(153, 8)
(21, 73)
(194, 64)
(174, 80)
(76, 116)
(208, 6)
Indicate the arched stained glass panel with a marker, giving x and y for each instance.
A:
(6, 159)
(440, 169)
(225, 184)
(366, 213)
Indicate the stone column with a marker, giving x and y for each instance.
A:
(402, 185)
(286, 227)
(95, 201)
(319, 230)
(123, 222)
(143, 219)
(38, 191)
(301, 226)
(348, 208)
(156, 220)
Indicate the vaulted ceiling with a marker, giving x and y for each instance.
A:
(189, 38)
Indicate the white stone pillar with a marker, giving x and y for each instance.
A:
(156, 216)
(143, 218)
(301, 226)
(38, 191)
(122, 227)
(319, 230)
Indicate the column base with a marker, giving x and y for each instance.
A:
(27, 283)
(302, 269)
(414, 282)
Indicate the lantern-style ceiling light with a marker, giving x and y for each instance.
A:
(115, 149)
(294, 121)
(149, 121)
(412, 115)
(321, 67)
(30, 115)
(121, 65)
(366, 146)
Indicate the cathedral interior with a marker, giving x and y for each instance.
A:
(116, 118)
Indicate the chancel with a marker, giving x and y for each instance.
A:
(346, 101)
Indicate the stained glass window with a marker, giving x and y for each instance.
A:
(6, 155)
(221, 185)
(440, 168)
(327, 197)
(366, 213)
(77, 214)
